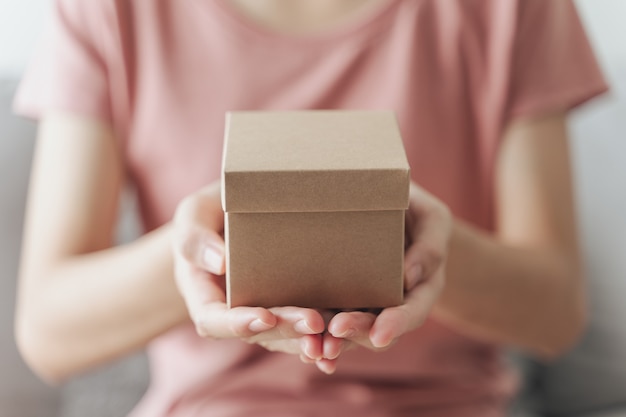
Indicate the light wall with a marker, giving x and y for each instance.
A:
(21, 22)
(604, 20)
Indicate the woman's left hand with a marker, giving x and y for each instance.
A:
(429, 226)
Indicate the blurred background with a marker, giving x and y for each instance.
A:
(590, 381)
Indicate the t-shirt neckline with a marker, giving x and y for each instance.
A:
(345, 28)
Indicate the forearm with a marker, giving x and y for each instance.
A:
(93, 307)
(527, 297)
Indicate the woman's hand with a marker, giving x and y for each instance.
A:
(429, 225)
(199, 268)
(200, 265)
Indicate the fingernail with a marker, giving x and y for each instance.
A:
(258, 325)
(325, 367)
(305, 359)
(380, 345)
(213, 259)
(303, 327)
(306, 350)
(333, 355)
(351, 332)
(413, 276)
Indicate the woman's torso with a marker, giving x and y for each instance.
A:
(183, 64)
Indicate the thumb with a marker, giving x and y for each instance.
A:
(203, 248)
(198, 222)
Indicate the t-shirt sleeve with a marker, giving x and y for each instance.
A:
(553, 64)
(68, 71)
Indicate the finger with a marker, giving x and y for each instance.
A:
(348, 325)
(430, 224)
(293, 322)
(199, 222)
(308, 348)
(332, 346)
(297, 321)
(393, 322)
(307, 360)
(201, 208)
(311, 346)
(197, 286)
(218, 321)
(201, 247)
(204, 295)
(353, 326)
(328, 366)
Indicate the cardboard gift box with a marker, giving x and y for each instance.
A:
(314, 206)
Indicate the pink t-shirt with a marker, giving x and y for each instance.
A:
(163, 73)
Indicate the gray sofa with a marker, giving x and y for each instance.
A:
(590, 381)
(108, 392)
(21, 394)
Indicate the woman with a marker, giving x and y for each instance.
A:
(136, 91)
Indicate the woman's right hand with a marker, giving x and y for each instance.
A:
(199, 260)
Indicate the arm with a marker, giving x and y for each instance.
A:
(523, 285)
(80, 301)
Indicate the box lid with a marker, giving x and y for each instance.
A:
(298, 161)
